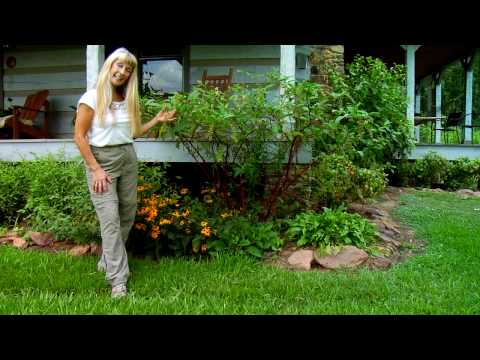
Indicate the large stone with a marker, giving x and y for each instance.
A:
(301, 259)
(348, 257)
(41, 239)
(79, 250)
(19, 243)
(388, 239)
(380, 262)
(95, 249)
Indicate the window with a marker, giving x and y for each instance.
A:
(162, 76)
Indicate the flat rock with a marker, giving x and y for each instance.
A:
(348, 257)
(41, 239)
(301, 259)
(79, 250)
(6, 239)
(380, 262)
(368, 211)
(95, 249)
(19, 243)
(389, 239)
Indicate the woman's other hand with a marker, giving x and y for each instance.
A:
(165, 116)
(100, 180)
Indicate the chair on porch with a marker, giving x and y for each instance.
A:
(222, 82)
(453, 123)
(22, 121)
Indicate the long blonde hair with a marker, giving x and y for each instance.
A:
(104, 89)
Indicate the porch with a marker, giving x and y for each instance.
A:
(82, 64)
(154, 150)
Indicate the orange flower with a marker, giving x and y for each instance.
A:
(151, 215)
(184, 191)
(206, 231)
(204, 223)
(140, 226)
(186, 213)
(176, 213)
(165, 222)
(155, 232)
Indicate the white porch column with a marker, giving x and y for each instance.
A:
(468, 101)
(410, 61)
(287, 62)
(417, 111)
(95, 59)
(438, 107)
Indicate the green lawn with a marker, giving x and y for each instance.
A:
(443, 280)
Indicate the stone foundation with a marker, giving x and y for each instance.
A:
(323, 56)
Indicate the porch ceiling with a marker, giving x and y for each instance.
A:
(429, 59)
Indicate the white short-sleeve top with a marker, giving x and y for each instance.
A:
(117, 125)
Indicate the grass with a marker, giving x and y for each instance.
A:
(442, 280)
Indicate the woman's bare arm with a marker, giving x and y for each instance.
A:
(161, 117)
(82, 125)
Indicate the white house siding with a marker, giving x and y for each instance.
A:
(59, 69)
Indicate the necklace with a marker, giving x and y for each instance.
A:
(116, 106)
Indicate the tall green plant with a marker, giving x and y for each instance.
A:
(370, 102)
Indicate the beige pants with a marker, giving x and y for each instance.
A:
(115, 208)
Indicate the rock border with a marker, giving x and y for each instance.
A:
(395, 241)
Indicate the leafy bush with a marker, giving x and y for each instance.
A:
(369, 101)
(463, 174)
(253, 138)
(333, 227)
(369, 183)
(336, 179)
(432, 170)
(59, 201)
(14, 190)
(403, 173)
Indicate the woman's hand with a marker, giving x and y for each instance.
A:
(100, 180)
(165, 116)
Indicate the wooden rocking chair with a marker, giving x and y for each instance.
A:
(222, 82)
(23, 118)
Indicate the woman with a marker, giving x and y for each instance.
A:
(108, 118)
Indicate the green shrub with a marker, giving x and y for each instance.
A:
(14, 190)
(368, 183)
(332, 179)
(463, 174)
(432, 170)
(404, 173)
(333, 227)
(369, 101)
(59, 201)
(335, 179)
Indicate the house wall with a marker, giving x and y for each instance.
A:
(254, 59)
(60, 69)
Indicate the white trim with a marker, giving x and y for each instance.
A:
(95, 59)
